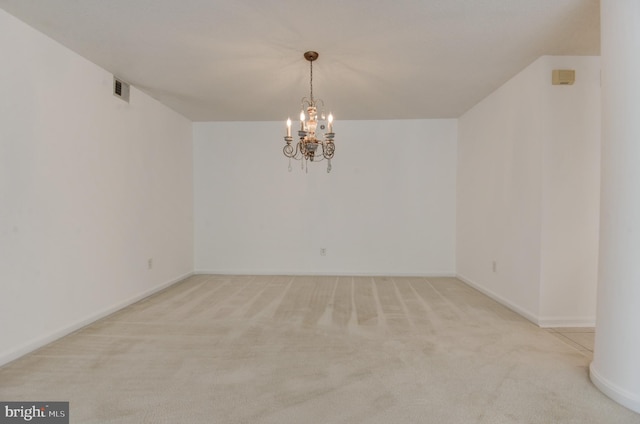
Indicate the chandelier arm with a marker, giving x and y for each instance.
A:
(298, 153)
(300, 150)
(328, 149)
(288, 151)
(292, 153)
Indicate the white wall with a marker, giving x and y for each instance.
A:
(571, 195)
(499, 151)
(387, 207)
(528, 193)
(90, 189)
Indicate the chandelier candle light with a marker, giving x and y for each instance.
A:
(307, 147)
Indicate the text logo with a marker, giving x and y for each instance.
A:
(34, 412)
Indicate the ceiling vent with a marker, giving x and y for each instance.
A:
(121, 89)
(563, 77)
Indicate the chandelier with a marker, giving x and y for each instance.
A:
(306, 149)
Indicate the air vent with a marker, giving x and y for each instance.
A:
(121, 89)
(563, 77)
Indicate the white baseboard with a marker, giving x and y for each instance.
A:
(623, 397)
(575, 322)
(543, 322)
(322, 273)
(515, 308)
(29, 347)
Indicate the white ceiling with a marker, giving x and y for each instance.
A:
(241, 60)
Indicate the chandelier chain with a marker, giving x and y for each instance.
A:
(311, 80)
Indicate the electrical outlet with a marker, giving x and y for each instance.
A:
(495, 266)
(150, 263)
(323, 251)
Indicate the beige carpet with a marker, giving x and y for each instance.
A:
(218, 349)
